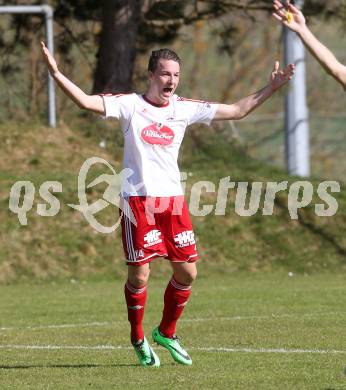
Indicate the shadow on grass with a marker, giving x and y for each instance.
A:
(20, 367)
(26, 366)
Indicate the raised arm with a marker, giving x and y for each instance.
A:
(296, 22)
(243, 107)
(92, 103)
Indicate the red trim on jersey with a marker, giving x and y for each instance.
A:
(115, 95)
(155, 104)
(194, 100)
(191, 100)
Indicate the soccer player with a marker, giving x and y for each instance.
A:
(323, 55)
(153, 126)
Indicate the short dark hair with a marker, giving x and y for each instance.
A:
(166, 54)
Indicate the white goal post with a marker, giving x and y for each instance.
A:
(48, 13)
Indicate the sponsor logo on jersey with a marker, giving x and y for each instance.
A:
(152, 238)
(158, 134)
(185, 238)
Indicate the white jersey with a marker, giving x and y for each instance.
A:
(152, 137)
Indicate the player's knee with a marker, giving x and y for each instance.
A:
(186, 277)
(192, 275)
(139, 278)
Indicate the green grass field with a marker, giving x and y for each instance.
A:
(244, 331)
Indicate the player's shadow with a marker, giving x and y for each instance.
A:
(27, 366)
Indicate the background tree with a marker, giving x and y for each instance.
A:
(116, 54)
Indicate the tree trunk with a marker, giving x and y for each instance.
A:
(117, 52)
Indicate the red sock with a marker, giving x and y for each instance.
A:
(176, 297)
(135, 300)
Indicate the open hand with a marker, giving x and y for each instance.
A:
(280, 77)
(296, 22)
(49, 59)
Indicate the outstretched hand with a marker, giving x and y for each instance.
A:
(49, 59)
(280, 77)
(288, 15)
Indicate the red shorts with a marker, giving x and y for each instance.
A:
(163, 229)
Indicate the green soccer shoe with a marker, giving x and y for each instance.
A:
(178, 353)
(146, 355)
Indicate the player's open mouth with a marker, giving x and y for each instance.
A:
(167, 90)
